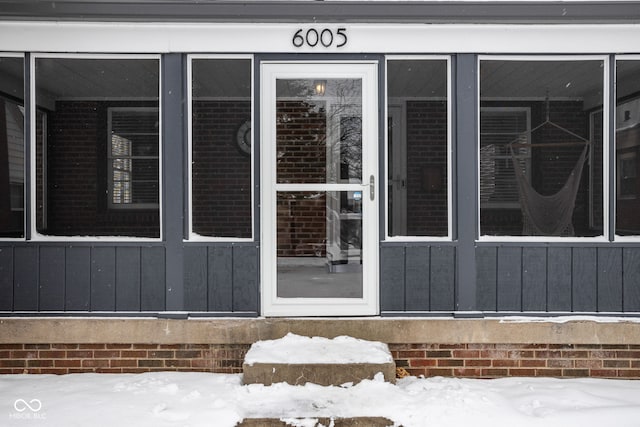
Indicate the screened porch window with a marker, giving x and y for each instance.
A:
(97, 166)
(539, 143)
(133, 158)
(11, 148)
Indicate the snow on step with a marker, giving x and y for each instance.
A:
(297, 360)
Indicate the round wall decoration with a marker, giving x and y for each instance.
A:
(243, 137)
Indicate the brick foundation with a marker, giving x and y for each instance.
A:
(449, 360)
(120, 358)
(519, 360)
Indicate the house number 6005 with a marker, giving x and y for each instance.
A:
(324, 37)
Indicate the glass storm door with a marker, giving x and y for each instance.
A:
(319, 189)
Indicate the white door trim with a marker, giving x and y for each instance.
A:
(272, 305)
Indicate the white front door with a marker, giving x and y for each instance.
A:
(319, 197)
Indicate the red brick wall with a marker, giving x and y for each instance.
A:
(528, 360)
(302, 157)
(119, 358)
(449, 360)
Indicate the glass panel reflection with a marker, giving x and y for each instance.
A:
(319, 131)
(319, 244)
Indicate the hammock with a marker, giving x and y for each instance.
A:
(548, 215)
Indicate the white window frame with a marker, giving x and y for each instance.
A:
(111, 157)
(409, 238)
(24, 207)
(37, 236)
(605, 148)
(192, 236)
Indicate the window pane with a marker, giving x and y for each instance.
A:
(540, 154)
(418, 148)
(221, 148)
(97, 151)
(627, 147)
(11, 148)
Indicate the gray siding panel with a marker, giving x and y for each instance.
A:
(128, 279)
(559, 279)
(584, 278)
(631, 278)
(610, 279)
(25, 292)
(152, 283)
(509, 279)
(443, 275)
(220, 278)
(245, 278)
(195, 278)
(78, 279)
(486, 265)
(534, 279)
(6, 278)
(392, 278)
(417, 278)
(103, 279)
(52, 276)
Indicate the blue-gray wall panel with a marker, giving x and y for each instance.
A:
(486, 266)
(392, 278)
(220, 278)
(103, 279)
(25, 291)
(6, 278)
(610, 279)
(127, 278)
(559, 279)
(152, 283)
(585, 279)
(245, 278)
(509, 279)
(195, 278)
(443, 275)
(417, 289)
(631, 278)
(534, 279)
(78, 278)
(52, 276)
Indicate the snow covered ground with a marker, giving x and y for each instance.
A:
(220, 400)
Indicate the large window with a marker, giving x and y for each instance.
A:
(539, 134)
(221, 148)
(418, 148)
(11, 148)
(627, 147)
(97, 155)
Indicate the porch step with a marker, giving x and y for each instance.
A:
(298, 360)
(337, 422)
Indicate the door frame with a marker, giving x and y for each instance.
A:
(271, 304)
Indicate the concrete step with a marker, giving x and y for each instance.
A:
(337, 422)
(299, 360)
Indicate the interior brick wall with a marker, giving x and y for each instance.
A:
(221, 205)
(302, 157)
(76, 177)
(427, 208)
(448, 360)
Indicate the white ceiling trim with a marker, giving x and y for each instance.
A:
(123, 37)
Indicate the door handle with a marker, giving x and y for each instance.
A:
(372, 187)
